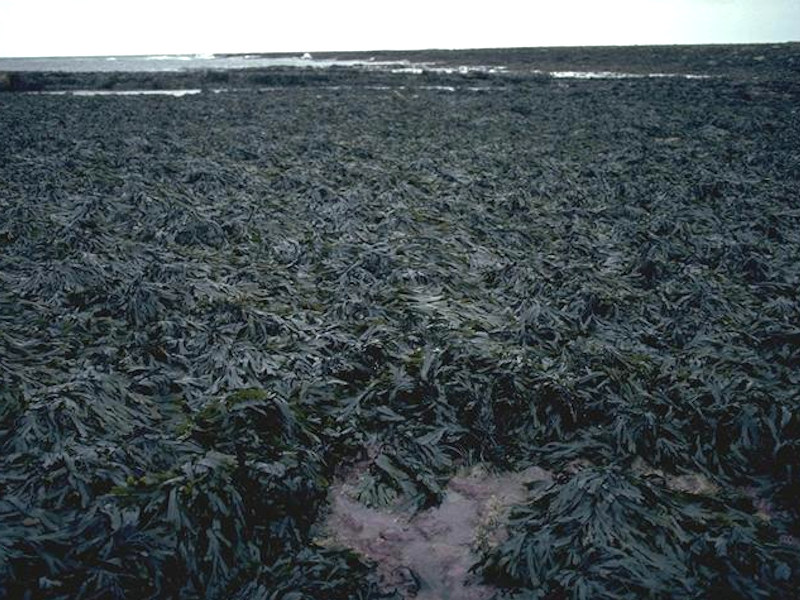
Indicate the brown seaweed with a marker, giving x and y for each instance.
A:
(211, 305)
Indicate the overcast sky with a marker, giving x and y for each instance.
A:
(97, 27)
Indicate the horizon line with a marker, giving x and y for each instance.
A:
(288, 53)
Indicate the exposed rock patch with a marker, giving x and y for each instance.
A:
(428, 555)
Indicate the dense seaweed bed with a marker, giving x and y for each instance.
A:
(210, 304)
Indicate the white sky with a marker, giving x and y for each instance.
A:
(97, 27)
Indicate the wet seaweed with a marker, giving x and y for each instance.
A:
(605, 534)
(210, 306)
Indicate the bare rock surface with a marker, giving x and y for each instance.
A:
(428, 555)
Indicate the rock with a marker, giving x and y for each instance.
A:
(693, 483)
(428, 555)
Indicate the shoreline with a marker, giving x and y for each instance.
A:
(743, 63)
(215, 307)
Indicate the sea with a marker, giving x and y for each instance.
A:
(180, 62)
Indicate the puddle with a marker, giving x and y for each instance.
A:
(175, 93)
(427, 556)
(617, 75)
(421, 68)
(414, 69)
(191, 92)
(441, 88)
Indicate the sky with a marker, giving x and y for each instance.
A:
(104, 27)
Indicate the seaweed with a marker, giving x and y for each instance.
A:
(605, 534)
(214, 307)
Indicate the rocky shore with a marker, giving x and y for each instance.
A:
(231, 323)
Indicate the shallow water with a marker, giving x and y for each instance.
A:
(190, 92)
(618, 75)
(161, 63)
(428, 556)
(175, 93)
(188, 62)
